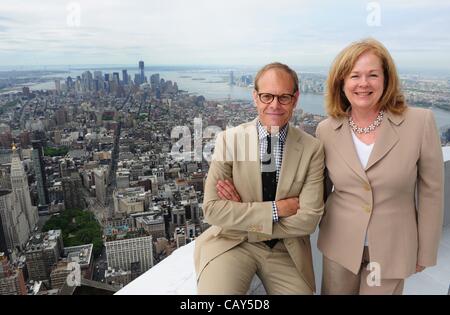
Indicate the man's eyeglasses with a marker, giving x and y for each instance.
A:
(283, 99)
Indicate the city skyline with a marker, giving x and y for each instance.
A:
(300, 33)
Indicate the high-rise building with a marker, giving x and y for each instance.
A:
(100, 185)
(131, 251)
(231, 80)
(116, 78)
(5, 204)
(60, 116)
(71, 189)
(26, 91)
(154, 81)
(14, 225)
(69, 83)
(125, 76)
(42, 253)
(141, 71)
(87, 83)
(21, 194)
(11, 279)
(39, 171)
(58, 276)
(123, 178)
(57, 86)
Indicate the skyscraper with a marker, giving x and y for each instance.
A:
(231, 81)
(100, 185)
(116, 78)
(154, 81)
(21, 193)
(14, 225)
(125, 76)
(38, 163)
(5, 203)
(57, 86)
(141, 69)
(71, 189)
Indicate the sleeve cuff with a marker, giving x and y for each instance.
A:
(274, 211)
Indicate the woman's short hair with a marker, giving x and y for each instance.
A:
(337, 103)
(279, 66)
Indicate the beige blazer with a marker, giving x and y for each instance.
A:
(232, 222)
(397, 198)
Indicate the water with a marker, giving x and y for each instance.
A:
(213, 84)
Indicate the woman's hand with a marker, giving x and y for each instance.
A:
(227, 191)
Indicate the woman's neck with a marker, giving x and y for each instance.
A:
(364, 117)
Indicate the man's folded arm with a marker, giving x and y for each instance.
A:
(305, 221)
(243, 216)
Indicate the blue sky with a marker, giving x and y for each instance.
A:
(220, 32)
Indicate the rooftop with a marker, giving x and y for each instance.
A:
(162, 280)
(81, 254)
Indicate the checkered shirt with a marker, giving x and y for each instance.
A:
(277, 143)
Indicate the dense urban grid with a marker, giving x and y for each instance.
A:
(96, 183)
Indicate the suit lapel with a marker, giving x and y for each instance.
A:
(343, 143)
(252, 168)
(386, 139)
(291, 158)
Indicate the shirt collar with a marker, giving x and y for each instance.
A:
(263, 133)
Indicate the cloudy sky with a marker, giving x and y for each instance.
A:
(219, 32)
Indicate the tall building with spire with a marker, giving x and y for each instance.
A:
(21, 194)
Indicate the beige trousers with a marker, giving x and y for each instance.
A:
(232, 272)
(339, 280)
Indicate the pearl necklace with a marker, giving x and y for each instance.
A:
(369, 128)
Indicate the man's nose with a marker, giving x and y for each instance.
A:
(275, 103)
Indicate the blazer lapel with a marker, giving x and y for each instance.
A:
(252, 169)
(292, 154)
(386, 139)
(343, 143)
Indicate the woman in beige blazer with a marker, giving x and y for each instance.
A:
(383, 214)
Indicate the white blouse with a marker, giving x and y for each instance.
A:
(363, 150)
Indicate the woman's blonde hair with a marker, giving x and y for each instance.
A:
(337, 103)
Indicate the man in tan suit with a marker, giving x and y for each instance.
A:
(263, 198)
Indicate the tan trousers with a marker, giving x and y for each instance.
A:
(339, 280)
(232, 272)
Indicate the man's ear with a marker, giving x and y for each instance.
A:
(297, 97)
(255, 96)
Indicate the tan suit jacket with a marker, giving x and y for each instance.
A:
(251, 220)
(397, 198)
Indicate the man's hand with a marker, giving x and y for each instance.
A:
(287, 207)
(419, 268)
(227, 191)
